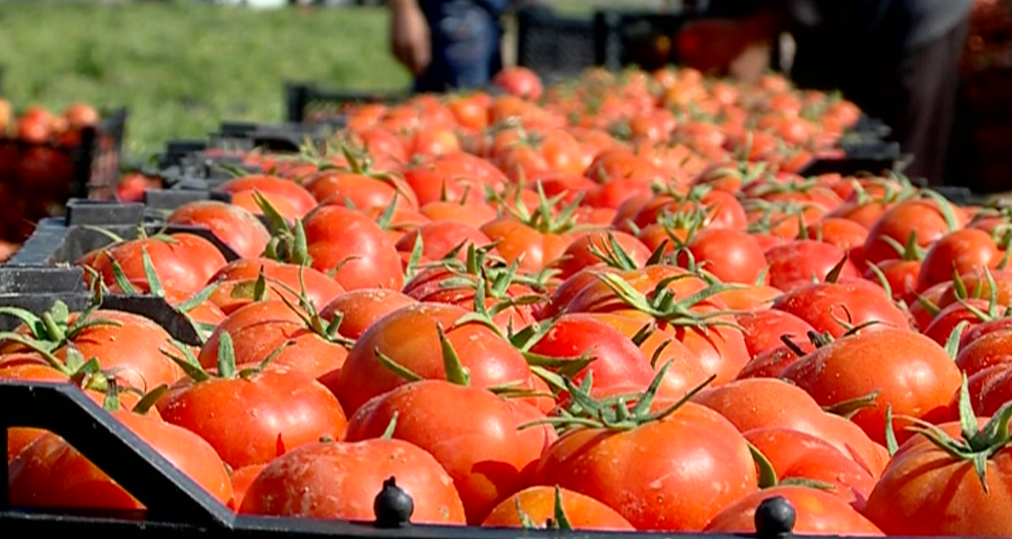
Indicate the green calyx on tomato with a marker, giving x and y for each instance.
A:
(53, 328)
(613, 413)
(975, 444)
(548, 217)
(226, 368)
(305, 310)
(912, 251)
(559, 520)
(662, 304)
(288, 241)
(113, 403)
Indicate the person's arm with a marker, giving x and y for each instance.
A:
(409, 35)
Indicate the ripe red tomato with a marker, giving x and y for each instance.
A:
(817, 513)
(338, 480)
(234, 226)
(51, 473)
(480, 445)
(918, 379)
(267, 414)
(538, 503)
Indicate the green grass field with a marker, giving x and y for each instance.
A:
(181, 67)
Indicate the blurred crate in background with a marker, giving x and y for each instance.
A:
(39, 177)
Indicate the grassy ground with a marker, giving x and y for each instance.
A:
(182, 67)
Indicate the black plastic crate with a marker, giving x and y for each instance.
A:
(42, 177)
(554, 46)
(307, 103)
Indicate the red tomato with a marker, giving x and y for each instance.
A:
(338, 480)
(817, 513)
(51, 473)
(354, 248)
(295, 195)
(730, 255)
(646, 461)
(537, 503)
(959, 252)
(479, 446)
(833, 308)
(268, 414)
(918, 379)
(804, 261)
(234, 226)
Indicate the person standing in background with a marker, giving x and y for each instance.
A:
(896, 59)
(447, 44)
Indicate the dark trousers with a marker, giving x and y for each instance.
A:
(465, 45)
(914, 93)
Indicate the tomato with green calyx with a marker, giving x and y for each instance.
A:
(233, 225)
(555, 508)
(951, 479)
(249, 413)
(648, 453)
(237, 283)
(359, 309)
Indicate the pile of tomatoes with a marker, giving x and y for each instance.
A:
(37, 162)
(610, 304)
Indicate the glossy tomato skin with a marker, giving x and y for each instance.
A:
(538, 504)
(651, 462)
(731, 255)
(354, 248)
(233, 225)
(360, 308)
(253, 420)
(292, 194)
(478, 444)
(409, 336)
(764, 329)
(51, 473)
(960, 252)
(798, 262)
(182, 262)
(260, 329)
(818, 513)
(831, 307)
(339, 480)
(925, 218)
(236, 283)
(923, 483)
(917, 381)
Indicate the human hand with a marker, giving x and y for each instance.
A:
(409, 36)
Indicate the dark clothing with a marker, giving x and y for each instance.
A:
(466, 37)
(896, 59)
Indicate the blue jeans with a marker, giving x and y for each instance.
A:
(465, 44)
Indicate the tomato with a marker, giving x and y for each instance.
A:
(918, 379)
(359, 309)
(958, 253)
(234, 226)
(833, 308)
(764, 329)
(768, 402)
(800, 456)
(236, 283)
(595, 248)
(927, 491)
(534, 247)
(817, 513)
(730, 255)
(619, 367)
(51, 473)
(646, 460)
(479, 445)
(271, 187)
(971, 311)
(410, 338)
(440, 238)
(128, 345)
(844, 233)
(930, 220)
(339, 480)
(339, 187)
(253, 418)
(259, 329)
(473, 213)
(538, 503)
(353, 249)
(519, 81)
(181, 262)
(804, 261)
(991, 349)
